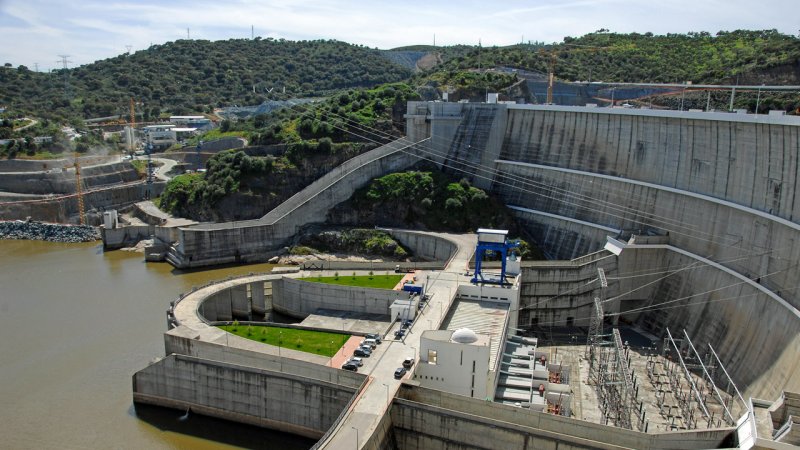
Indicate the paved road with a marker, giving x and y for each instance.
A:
(366, 412)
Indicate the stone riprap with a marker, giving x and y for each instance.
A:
(51, 232)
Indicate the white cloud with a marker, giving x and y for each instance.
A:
(90, 30)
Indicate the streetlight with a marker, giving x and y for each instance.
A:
(356, 436)
(387, 392)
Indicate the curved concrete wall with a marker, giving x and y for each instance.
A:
(260, 397)
(713, 185)
(300, 298)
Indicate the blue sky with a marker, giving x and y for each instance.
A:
(37, 31)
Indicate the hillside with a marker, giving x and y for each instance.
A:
(195, 75)
(752, 57)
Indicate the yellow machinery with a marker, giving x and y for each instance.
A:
(79, 192)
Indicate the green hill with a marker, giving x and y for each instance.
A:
(194, 75)
(753, 57)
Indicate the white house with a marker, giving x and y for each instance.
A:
(455, 361)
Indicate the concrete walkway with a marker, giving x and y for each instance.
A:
(371, 405)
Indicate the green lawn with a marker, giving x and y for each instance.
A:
(317, 342)
(380, 281)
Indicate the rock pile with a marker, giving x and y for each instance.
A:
(52, 232)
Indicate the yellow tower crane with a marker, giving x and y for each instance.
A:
(79, 192)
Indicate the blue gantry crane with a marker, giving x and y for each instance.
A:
(495, 241)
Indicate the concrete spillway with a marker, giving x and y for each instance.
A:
(256, 240)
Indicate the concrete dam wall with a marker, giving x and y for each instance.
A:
(708, 198)
(245, 394)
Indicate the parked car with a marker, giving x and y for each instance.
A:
(350, 365)
(362, 352)
(408, 362)
(407, 323)
(372, 343)
(400, 372)
(377, 337)
(399, 334)
(358, 361)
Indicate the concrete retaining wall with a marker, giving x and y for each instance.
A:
(183, 342)
(65, 209)
(258, 240)
(432, 248)
(299, 298)
(429, 419)
(29, 165)
(244, 394)
(123, 236)
(63, 182)
(238, 302)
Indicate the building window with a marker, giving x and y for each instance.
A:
(432, 357)
(570, 321)
(462, 358)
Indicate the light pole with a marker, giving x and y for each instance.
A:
(280, 340)
(387, 392)
(356, 436)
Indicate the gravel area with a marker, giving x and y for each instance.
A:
(51, 232)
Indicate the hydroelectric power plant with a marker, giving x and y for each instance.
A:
(666, 317)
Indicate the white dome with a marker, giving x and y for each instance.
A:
(464, 336)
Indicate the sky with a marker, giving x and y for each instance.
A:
(35, 32)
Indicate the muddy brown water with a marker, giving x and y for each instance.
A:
(75, 324)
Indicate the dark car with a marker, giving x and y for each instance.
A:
(357, 361)
(362, 352)
(408, 362)
(399, 334)
(407, 323)
(400, 372)
(350, 365)
(377, 337)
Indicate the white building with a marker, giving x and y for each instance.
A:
(455, 361)
(198, 122)
(166, 135)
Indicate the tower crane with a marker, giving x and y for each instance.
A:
(79, 192)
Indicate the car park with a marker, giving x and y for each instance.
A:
(350, 365)
(362, 352)
(399, 372)
(408, 362)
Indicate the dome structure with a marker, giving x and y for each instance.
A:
(464, 336)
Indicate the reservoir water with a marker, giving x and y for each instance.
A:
(75, 324)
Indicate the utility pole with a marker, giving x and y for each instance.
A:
(36, 66)
(129, 47)
(187, 33)
(252, 33)
(65, 61)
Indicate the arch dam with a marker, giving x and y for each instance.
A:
(692, 218)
